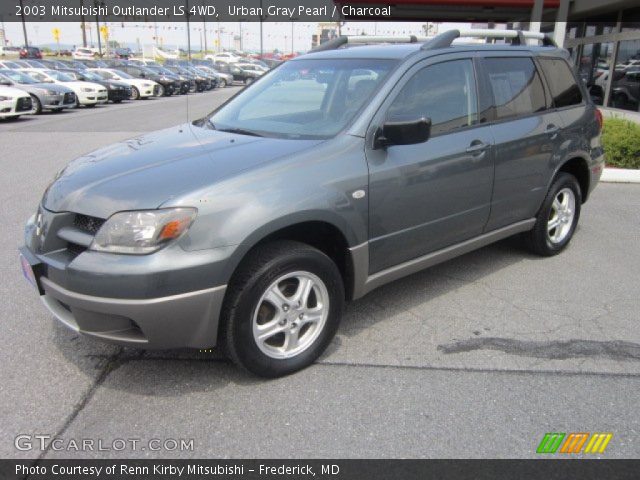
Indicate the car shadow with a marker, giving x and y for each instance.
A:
(160, 372)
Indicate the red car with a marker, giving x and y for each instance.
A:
(30, 52)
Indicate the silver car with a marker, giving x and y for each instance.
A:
(45, 96)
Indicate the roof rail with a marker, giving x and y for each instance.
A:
(444, 40)
(365, 40)
(519, 37)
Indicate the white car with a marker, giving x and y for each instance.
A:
(140, 87)
(223, 57)
(83, 53)
(87, 94)
(14, 102)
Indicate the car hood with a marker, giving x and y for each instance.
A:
(12, 92)
(148, 171)
(54, 87)
(77, 85)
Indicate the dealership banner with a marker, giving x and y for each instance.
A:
(320, 469)
(195, 10)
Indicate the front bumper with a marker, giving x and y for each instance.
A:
(118, 95)
(188, 320)
(67, 100)
(170, 299)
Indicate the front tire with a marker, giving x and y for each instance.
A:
(558, 217)
(223, 83)
(282, 309)
(37, 106)
(135, 93)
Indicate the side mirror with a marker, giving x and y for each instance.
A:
(6, 83)
(407, 132)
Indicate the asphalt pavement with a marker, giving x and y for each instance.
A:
(477, 357)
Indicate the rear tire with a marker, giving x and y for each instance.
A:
(267, 329)
(558, 217)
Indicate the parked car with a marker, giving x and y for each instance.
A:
(200, 82)
(10, 51)
(238, 74)
(9, 64)
(44, 96)
(254, 224)
(14, 102)
(116, 91)
(140, 88)
(55, 64)
(185, 83)
(88, 94)
(168, 84)
(225, 57)
(30, 63)
(122, 52)
(86, 53)
(94, 63)
(626, 89)
(223, 79)
(30, 52)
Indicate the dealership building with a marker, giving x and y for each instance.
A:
(603, 36)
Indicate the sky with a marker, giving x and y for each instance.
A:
(276, 35)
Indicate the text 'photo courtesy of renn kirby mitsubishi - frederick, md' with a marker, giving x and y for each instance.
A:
(345, 239)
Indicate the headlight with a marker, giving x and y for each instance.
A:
(147, 85)
(87, 89)
(51, 92)
(143, 231)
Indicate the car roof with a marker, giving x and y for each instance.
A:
(403, 50)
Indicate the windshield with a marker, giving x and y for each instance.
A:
(91, 76)
(119, 74)
(61, 77)
(304, 98)
(18, 77)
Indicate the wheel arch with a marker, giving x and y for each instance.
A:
(320, 231)
(579, 168)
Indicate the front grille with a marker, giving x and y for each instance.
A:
(24, 104)
(87, 224)
(69, 97)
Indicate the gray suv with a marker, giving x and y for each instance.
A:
(333, 174)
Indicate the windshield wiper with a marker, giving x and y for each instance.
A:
(239, 131)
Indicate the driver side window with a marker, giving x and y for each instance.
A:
(445, 93)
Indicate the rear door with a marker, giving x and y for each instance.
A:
(430, 195)
(527, 132)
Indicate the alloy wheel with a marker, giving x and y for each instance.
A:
(290, 315)
(561, 215)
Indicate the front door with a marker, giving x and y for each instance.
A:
(430, 195)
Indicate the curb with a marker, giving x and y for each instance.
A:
(620, 175)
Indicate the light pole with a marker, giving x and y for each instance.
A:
(83, 26)
(24, 25)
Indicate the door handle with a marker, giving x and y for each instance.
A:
(477, 147)
(552, 130)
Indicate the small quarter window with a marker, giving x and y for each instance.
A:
(562, 83)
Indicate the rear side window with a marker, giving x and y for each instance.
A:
(516, 86)
(562, 83)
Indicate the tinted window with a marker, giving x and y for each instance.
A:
(561, 81)
(445, 93)
(516, 86)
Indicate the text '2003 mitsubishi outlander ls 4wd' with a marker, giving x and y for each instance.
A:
(331, 175)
